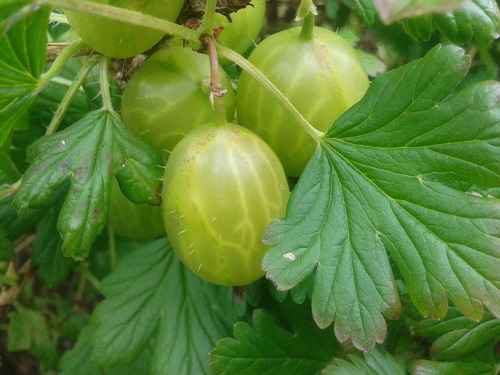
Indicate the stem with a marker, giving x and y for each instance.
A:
(73, 88)
(209, 17)
(60, 61)
(126, 15)
(272, 89)
(306, 32)
(55, 49)
(217, 91)
(103, 78)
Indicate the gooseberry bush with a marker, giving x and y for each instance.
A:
(235, 187)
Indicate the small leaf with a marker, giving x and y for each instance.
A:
(151, 294)
(87, 154)
(21, 64)
(393, 10)
(455, 337)
(376, 362)
(268, 348)
(385, 181)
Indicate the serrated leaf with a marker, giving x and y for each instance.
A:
(380, 183)
(21, 64)
(87, 154)
(269, 349)
(455, 337)
(374, 363)
(424, 367)
(393, 10)
(151, 294)
(53, 266)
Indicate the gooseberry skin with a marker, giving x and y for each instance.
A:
(222, 187)
(120, 39)
(136, 221)
(321, 76)
(170, 95)
(245, 26)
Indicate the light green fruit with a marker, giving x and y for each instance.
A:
(121, 39)
(321, 76)
(240, 34)
(222, 187)
(170, 95)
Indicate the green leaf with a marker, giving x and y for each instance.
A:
(21, 64)
(53, 266)
(151, 294)
(28, 330)
(424, 367)
(392, 10)
(475, 18)
(380, 183)
(455, 337)
(478, 19)
(366, 9)
(374, 363)
(14, 224)
(78, 361)
(87, 154)
(268, 348)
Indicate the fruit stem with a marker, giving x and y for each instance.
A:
(103, 78)
(271, 88)
(216, 90)
(126, 15)
(60, 61)
(209, 17)
(72, 90)
(306, 32)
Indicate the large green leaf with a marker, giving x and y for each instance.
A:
(424, 367)
(478, 19)
(21, 63)
(151, 294)
(88, 154)
(268, 348)
(387, 180)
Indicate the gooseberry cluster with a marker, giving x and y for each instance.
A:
(226, 169)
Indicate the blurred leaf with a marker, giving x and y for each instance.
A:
(393, 10)
(424, 367)
(379, 184)
(478, 19)
(268, 348)
(374, 363)
(455, 337)
(21, 64)
(366, 9)
(372, 64)
(14, 225)
(87, 154)
(151, 294)
(28, 330)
